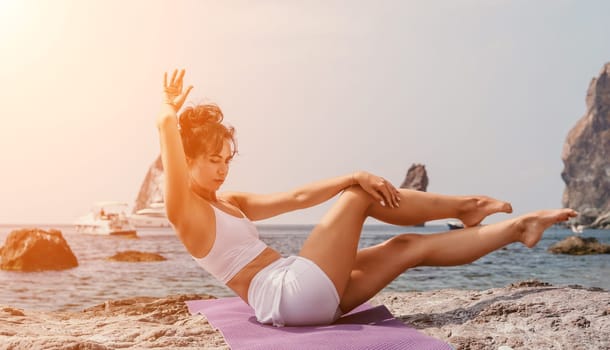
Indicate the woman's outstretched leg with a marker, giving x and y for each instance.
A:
(417, 207)
(375, 267)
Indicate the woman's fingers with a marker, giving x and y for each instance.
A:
(179, 80)
(393, 193)
(372, 191)
(171, 82)
(387, 197)
(377, 196)
(381, 190)
(183, 96)
(389, 193)
(173, 90)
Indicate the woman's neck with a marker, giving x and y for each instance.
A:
(209, 196)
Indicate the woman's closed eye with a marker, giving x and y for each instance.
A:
(218, 160)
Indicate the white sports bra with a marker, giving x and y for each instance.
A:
(236, 244)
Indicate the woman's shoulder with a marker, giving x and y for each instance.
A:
(231, 198)
(197, 229)
(198, 212)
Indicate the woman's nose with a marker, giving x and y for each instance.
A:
(222, 169)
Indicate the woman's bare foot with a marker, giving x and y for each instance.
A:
(479, 207)
(533, 225)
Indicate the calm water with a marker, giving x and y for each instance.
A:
(96, 280)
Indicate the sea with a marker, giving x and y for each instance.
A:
(97, 279)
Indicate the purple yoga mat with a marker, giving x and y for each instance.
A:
(366, 327)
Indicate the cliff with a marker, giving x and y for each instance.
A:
(151, 190)
(416, 178)
(586, 157)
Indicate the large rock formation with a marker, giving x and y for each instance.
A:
(36, 250)
(151, 190)
(530, 315)
(416, 178)
(586, 157)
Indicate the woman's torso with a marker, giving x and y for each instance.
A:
(200, 245)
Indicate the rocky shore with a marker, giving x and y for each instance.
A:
(525, 315)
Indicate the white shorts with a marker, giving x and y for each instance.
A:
(293, 291)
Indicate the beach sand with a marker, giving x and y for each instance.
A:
(525, 315)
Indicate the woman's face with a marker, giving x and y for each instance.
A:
(209, 171)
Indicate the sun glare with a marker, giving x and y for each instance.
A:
(13, 20)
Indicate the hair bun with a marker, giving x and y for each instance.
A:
(202, 130)
(199, 116)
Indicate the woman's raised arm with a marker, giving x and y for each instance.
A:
(177, 194)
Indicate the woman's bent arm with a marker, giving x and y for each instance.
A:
(263, 206)
(258, 207)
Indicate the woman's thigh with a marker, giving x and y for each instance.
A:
(333, 243)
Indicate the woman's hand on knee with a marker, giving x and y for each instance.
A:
(379, 188)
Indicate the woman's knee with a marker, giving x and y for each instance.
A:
(357, 194)
(410, 245)
(405, 240)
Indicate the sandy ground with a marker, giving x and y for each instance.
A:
(527, 315)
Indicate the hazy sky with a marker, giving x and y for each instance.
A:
(482, 92)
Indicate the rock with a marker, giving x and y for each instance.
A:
(536, 317)
(36, 250)
(13, 311)
(135, 256)
(587, 216)
(575, 245)
(151, 190)
(585, 153)
(135, 323)
(602, 221)
(416, 178)
(528, 283)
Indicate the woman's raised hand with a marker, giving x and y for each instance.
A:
(379, 188)
(173, 96)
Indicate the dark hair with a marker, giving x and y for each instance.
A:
(202, 130)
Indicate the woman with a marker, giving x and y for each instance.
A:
(330, 276)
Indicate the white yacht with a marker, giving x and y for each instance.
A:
(106, 218)
(154, 216)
